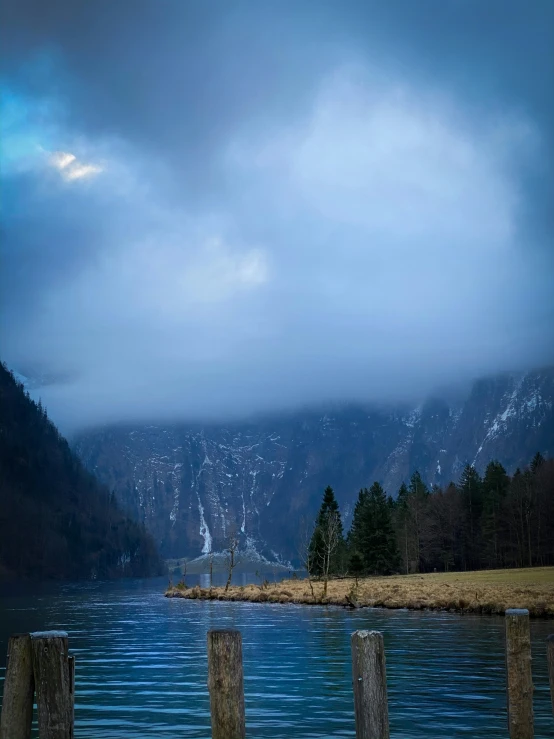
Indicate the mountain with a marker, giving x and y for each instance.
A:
(192, 485)
(56, 519)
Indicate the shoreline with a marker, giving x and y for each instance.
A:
(201, 565)
(481, 592)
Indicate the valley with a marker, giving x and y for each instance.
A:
(193, 485)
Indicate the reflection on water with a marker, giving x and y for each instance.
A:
(239, 578)
(141, 664)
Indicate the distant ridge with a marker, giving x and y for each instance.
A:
(192, 484)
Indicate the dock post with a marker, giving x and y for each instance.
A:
(226, 684)
(71, 661)
(17, 702)
(52, 671)
(519, 681)
(550, 657)
(369, 680)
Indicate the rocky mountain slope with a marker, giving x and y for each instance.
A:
(193, 485)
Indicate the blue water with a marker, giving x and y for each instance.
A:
(141, 664)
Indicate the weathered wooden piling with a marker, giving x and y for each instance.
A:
(519, 681)
(226, 684)
(54, 696)
(369, 679)
(71, 661)
(550, 658)
(17, 702)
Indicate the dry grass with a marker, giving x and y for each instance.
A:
(487, 591)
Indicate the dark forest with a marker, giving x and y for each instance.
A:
(56, 519)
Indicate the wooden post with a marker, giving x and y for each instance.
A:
(17, 703)
(369, 677)
(550, 657)
(226, 684)
(52, 673)
(519, 681)
(71, 661)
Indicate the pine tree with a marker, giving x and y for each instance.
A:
(417, 486)
(444, 525)
(357, 527)
(521, 506)
(494, 489)
(372, 533)
(471, 490)
(329, 505)
(402, 524)
(537, 462)
(316, 553)
(417, 502)
(383, 555)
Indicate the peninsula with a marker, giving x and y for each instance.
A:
(486, 592)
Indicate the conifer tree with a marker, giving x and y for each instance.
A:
(357, 527)
(500, 521)
(402, 524)
(494, 488)
(471, 490)
(417, 502)
(537, 462)
(372, 533)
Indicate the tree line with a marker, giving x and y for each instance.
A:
(494, 521)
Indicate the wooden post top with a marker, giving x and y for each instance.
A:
(48, 634)
(363, 633)
(517, 612)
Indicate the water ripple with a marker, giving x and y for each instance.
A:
(141, 666)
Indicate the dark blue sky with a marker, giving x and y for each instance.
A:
(218, 208)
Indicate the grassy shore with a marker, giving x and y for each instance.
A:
(486, 591)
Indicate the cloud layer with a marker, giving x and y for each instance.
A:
(350, 228)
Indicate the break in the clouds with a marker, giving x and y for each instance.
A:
(71, 168)
(272, 207)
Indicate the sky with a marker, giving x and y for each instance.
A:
(213, 209)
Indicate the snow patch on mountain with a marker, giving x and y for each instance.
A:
(204, 530)
(500, 422)
(194, 486)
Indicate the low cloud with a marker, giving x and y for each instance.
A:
(370, 245)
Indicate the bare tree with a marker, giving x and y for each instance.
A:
(232, 557)
(330, 532)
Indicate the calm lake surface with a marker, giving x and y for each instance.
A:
(141, 664)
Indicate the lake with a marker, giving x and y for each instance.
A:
(141, 665)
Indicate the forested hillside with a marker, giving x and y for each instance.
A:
(56, 519)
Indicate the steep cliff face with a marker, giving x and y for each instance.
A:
(192, 486)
